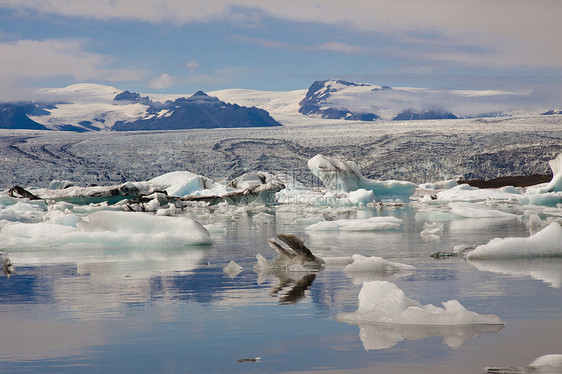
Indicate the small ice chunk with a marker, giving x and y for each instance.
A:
(263, 217)
(375, 264)
(59, 184)
(547, 364)
(553, 362)
(441, 185)
(361, 196)
(179, 183)
(366, 224)
(432, 229)
(232, 269)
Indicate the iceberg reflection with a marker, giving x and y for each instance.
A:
(382, 336)
(548, 270)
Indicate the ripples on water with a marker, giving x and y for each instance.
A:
(176, 310)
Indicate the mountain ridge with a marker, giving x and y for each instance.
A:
(86, 107)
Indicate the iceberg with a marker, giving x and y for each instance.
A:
(365, 224)
(384, 303)
(106, 229)
(180, 183)
(374, 264)
(232, 269)
(547, 364)
(545, 243)
(555, 185)
(345, 177)
(475, 210)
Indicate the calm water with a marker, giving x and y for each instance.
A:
(177, 311)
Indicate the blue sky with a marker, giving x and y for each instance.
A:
(185, 46)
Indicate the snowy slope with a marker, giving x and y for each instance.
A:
(281, 105)
(87, 106)
(342, 99)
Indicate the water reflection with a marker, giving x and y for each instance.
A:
(548, 270)
(292, 285)
(382, 336)
(118, 261)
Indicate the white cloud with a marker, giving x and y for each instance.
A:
(192, 65)
(328, 46)
(479, 33)
(162, 81)
(27, 60)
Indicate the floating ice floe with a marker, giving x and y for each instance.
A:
(383, 302)
(545, 243)
(467, 193)
(547, 364)
(106, 229)
(180, 183)
(434, 229)
(346, 177)
(475, 210)
(232, 269)
(24, 210)
(366, 224)
(375, 264)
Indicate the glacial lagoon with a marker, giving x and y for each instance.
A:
(176, 310)
(165, 285)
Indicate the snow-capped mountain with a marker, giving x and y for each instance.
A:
(94, 107)
(366, 102)
(194, 112)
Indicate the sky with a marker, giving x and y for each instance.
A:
(182, 46)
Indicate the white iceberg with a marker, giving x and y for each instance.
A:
(555, 185)
(467, 193)
(365, 224)
(383, 302)
(545, 243)
(374, 264)
(180, 183)
(547, 364)
(107, 229)
(475, 210)
(361, 196)
(346, 177)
